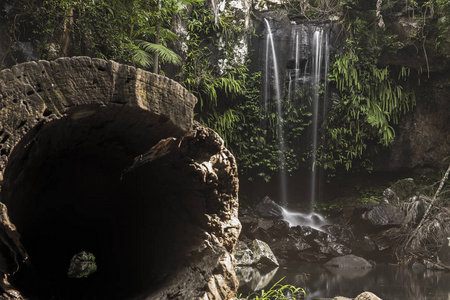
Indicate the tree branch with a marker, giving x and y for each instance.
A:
(436, 195)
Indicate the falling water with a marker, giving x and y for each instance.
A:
(317, 74)
(270, 46)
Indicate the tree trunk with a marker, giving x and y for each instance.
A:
(156, 54)
(157, 39)
(66, 37)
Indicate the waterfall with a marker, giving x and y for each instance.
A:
(305, 64)
(316, 80)
(270, 47)
(319, 75)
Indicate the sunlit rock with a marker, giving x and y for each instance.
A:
(254, 253)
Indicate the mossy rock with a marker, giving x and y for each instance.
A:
(82, 265)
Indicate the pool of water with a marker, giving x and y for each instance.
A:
(387, 282)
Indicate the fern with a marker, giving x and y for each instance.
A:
(166, 55)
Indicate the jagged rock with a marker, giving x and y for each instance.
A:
(243, 254)
(262, 254)
(349, 261)
(367, 296)
(343, 233)
(268, 209)
(72, 126)
(288, 246)
(82, 265)
(335, 249)
(205, 174)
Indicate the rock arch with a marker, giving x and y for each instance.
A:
(106, 158)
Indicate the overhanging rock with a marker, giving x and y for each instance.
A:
(68, 131)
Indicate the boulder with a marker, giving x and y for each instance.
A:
(262, 254)
(288, 246)
(349, 261)
(400, 191)
(367, 296)
(378, 217)
(362, 296)
(243, 254)
(268, 209)
(254, 253)
(343, 233)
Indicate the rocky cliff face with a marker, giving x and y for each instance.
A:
(78, 175)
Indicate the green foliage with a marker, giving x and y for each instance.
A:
(256, 142)
(371, 103)
(124, 31)
(279, 292)
(216, 86)
(143, 58)
(369, 194)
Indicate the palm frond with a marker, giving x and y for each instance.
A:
(165, 54)
(142, 58)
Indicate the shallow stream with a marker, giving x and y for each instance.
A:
(387, 282)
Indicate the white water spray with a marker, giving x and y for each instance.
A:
(313, 220)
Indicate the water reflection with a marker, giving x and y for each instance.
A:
(387, 282)
(252, 279)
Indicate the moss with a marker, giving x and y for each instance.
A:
(82, 265)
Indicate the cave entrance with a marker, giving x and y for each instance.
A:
(63, 190)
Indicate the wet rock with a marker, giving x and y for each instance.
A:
(349, 261)
(381, 216)
(243, 254)
(288, 246)
(262, 254)
(386, 239)
(268, 209)
(363, 245)
(254, 253)
(343, 233)
(367, 296)
(82, 265)
(335, 249)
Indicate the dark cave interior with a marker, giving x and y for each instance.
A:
(64, 191)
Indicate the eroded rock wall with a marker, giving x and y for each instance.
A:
(70, 131)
